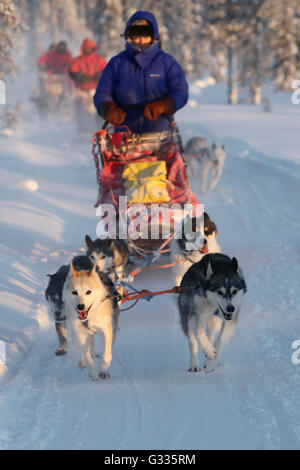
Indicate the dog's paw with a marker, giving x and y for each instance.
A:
(94, 377)
(211, 354)
(210, 365)
(93, 373)
(82, 364)
(104, 375)
(60, 351)
(195, 368)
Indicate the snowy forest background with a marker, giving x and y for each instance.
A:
(246, 43)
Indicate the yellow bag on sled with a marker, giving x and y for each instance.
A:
(145, 182)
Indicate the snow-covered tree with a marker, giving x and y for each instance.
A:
(182, 23)
(11, 27)
(223, 29)
(252, 53)
(107, 22)
(229, 26)
(282, 40)
(58, 20)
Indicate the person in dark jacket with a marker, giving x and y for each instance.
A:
(142, 83)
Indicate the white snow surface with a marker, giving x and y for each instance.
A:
(48, 188)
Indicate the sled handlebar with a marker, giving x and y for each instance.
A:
(139, 106)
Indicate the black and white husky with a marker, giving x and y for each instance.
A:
(56, 305)
(208, 159)
(110, 255)
(187, 252)
(209, 304)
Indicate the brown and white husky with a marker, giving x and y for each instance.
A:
(91, 308)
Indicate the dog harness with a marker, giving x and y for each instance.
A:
(187, 253)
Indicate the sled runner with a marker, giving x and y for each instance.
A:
(145, 171)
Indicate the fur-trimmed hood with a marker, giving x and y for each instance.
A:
(143, 15)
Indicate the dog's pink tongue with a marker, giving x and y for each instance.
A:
(204, 249)
(82, 315)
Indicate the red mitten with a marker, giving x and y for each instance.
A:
(114, 114)
(156, 108)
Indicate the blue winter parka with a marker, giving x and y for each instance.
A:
(136, 78)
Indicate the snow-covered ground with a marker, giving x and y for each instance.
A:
(47, 194)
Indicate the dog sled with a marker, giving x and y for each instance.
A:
(143, 178)
(52, 95)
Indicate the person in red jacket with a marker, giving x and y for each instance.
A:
(42, 62)
(86, 69)
(55, 85)
(59, 60)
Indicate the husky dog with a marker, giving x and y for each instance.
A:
(191, 151)
(88, 297)
(111, 256)
(54, 298)
(209, 159)
(209, 303)
(187, 252)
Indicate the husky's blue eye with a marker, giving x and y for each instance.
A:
(74, 292)
(234, 292)
(220, 292)
(88, 292)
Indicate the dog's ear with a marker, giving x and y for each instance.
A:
(223, 147)
(93, 271)
(74, 273)
(88, 241)
(209, 271)
(234, 264)
(53, 277)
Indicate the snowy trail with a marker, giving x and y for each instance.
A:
(151, 402)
